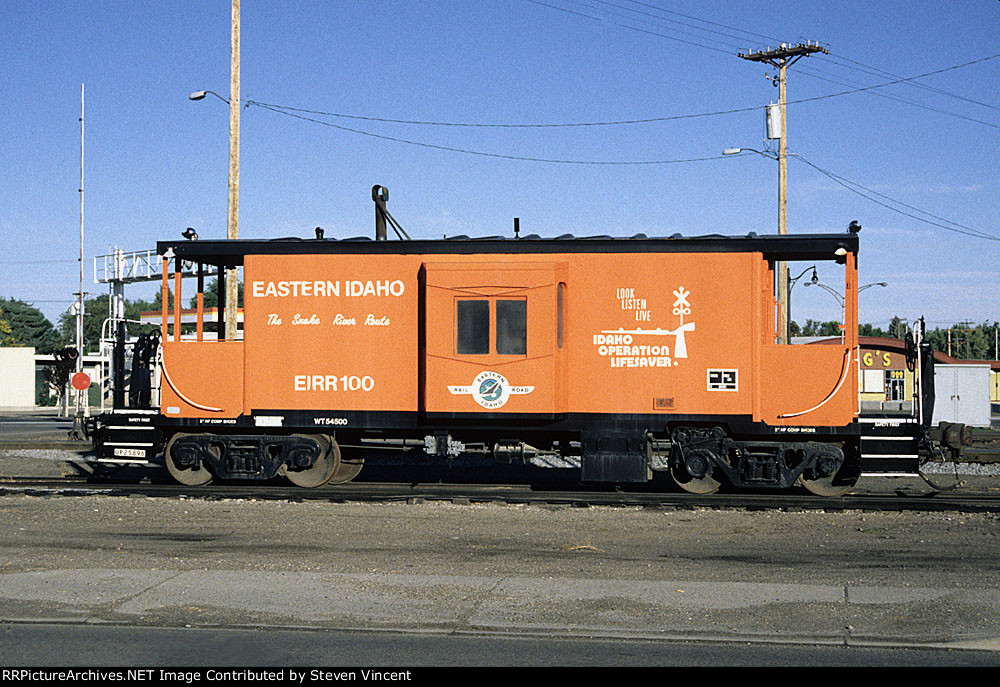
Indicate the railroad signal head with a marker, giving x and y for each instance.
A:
(67, 354)
(66, 358)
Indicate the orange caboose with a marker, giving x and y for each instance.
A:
(623, 356)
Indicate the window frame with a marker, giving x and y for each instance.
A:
(493, 329)
(477, 316)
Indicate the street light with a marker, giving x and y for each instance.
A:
(836, 294)
(791, 285)
(832, 292)
(200, 95)
(737, 151)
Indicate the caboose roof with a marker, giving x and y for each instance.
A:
(788, 247)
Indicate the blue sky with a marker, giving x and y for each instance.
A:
(157, 162)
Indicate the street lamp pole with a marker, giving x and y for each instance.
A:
(231, 294)
(791, 285)
(782, 58)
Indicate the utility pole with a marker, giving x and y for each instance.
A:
(967, 330)
(782, 58)
(963, 327)
(232, 227)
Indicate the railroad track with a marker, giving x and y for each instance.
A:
(466, 494)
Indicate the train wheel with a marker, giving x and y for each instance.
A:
(348, 470)
(827, 486)
(322, 471)
(185, 468)
(836, 484)
(695, 473)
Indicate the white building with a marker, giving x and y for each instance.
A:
(17, 378)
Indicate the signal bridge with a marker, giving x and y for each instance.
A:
(121, 267)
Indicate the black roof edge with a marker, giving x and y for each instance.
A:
(788, 247)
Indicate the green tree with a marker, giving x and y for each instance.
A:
(814, 328)
(157, 303)
(212, 295)
(28, 326)
(871, 330)
(897, 328)
(95, 312)
(968, 341)
(157, 306)
(6, 333)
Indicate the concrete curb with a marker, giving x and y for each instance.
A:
(986, 645)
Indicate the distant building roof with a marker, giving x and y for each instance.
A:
(888, 343)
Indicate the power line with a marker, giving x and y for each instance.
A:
(705, 21)
(875, 71)
(861, 67)
(284, 109)
(850, 186)
(477, 152)
(500, 125)
(630, 12)
(662, 19)
(728, 35)
(633, 28)
(906, 80)
(32, 301)
(810, 72)
(846, 183)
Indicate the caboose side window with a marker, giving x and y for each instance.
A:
(512, 327)
(472, 327)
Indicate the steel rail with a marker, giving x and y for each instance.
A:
(464, 494)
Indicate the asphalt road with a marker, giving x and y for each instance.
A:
(38, 427)
(54, 645)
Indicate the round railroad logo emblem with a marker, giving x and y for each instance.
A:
(490, 390)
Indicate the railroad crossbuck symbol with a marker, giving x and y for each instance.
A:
(490, 390)
(681, 305)
(681, 308)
